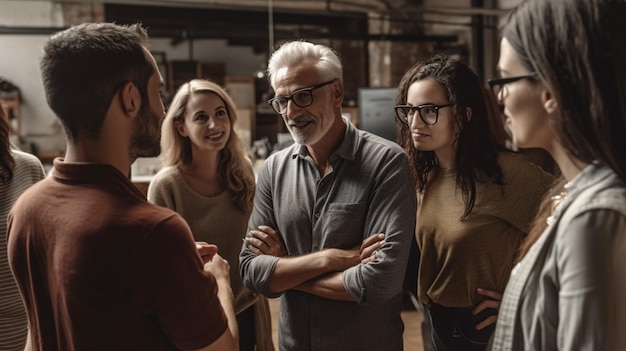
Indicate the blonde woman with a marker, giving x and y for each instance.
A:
(207, 178)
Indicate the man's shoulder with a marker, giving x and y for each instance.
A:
(376, 150)
(152, 213)
(283, 155)
(156, 221)
(32, 195)
(377, 142)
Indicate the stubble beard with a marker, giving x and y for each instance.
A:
(311, 138)
(146, 140)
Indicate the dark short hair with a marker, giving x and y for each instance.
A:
(83, 67)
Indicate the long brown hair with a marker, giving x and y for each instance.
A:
(476, 146)
(540, 223)
(586, 76)
(7, 163)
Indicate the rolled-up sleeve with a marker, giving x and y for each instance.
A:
(392, 211)
(256, 270)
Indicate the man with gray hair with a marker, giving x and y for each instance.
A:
(333, 216)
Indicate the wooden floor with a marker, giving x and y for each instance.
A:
(412, 327)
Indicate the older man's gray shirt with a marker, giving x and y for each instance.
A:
(370, 190)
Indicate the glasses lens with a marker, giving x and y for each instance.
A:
(402, 113)
(303, 98)
(279, 104)
(429, 114)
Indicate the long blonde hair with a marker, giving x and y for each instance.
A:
(235, 170)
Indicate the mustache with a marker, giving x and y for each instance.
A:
(300, 120)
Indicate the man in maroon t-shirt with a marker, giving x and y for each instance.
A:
(99, 267)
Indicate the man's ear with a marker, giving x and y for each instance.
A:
(130, 99)
(549, 101)
(337, 93)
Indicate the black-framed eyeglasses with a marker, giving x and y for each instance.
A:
(301, 97)
(497, 85)
(429, 113)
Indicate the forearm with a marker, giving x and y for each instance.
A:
(291, 272)
(227, 300)
(329, 286)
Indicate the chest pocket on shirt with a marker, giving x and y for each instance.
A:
(343, 225)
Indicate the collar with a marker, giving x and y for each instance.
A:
(91, 173)
(591, 174)
(347, 148)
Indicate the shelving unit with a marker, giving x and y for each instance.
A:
(180, 72)
(241, 90)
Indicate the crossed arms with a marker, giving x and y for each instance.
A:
(325, 247)
(318, 273)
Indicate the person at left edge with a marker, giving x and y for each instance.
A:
(18, 171)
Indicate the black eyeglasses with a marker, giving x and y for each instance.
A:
(301, 97)
(497, 85)
(429, 113)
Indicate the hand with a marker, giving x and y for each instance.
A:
(369, 247)
(219, 267)
(206, 250)
(265, 241)
(493, 301)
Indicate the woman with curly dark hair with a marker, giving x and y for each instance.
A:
(475, 200)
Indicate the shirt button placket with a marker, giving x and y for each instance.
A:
(316, 240)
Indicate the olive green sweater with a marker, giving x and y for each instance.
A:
(459, 257)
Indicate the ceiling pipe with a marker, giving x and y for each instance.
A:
(328, 5)
(270, 29)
